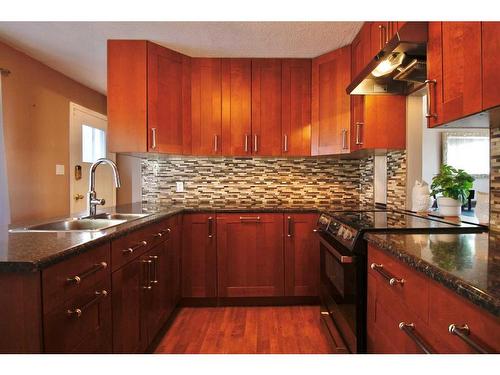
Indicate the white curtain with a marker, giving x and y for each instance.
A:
(4, 190)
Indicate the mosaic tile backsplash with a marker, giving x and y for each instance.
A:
(258, 182)
(396, 179)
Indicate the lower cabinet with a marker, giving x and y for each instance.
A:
(417, 315)
(250, 260)
(301, 255)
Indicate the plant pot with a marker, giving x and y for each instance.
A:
(449, 206)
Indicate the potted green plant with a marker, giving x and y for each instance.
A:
(451, 187)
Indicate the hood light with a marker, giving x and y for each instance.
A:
(388, 65)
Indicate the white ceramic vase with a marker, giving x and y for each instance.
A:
(449, 206)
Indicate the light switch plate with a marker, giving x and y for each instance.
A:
(60, 169)
(179, 186)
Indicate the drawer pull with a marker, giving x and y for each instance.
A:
(409, 329)
(131, 249)
(393, 280)
(79, 311)
(463, 332)
(250, 218)
(78, 278)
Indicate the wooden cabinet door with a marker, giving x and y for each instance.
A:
(361, 50)
(206, 125)
(237, 107)
(266, 107)
(250, 255)
(129, 332)
(379, 34)
(301, 255)
(331, 118)
(296, 107)
(168, 100)
(454, 61)
(199, 256)
(175, 243)
(490, 33)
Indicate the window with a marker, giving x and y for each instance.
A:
(468, 151)
(93, 144)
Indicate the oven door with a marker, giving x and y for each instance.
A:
(338, 294)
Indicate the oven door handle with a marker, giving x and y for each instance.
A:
(341, 258)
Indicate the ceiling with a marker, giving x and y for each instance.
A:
(78, 49)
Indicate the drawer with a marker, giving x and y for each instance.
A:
(67, 279)
(82, 324)
(407, 285)
(447, 308)
(134, 244)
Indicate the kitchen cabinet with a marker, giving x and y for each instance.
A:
(361, 49)
(490, 39)
(250, 255)
(206, 106)
(296, 107)
(454, 69)
(331, 110)
(266, 107)
(148, 98)
(301, 254)
(378, 122)
(175, 243)
(199, 256)
(381, 32)
(418, 306)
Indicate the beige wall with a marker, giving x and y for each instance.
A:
(36, 128)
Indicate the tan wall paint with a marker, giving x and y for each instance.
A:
(36, 127)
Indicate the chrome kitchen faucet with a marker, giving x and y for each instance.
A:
(93, 200)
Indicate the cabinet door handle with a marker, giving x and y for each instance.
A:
(131, 249)
(344, 139)
(382, 36)
(285, 143)
(430, 113)
(154, 265)
(78, 312)
(393, 280)
(148, 263)
(289, 223)
(78, 278)
(256, 143)
(246, 142)
(216, 143)
(153, 138)
(210, 227)
(359, 141)
(463, 333)
(409, 329)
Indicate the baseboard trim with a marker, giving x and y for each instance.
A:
(249, 301)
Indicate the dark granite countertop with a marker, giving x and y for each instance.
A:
(33, 251)
(468, 264)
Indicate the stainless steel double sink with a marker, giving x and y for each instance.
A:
(83, 224)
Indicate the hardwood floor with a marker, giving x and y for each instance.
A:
(246, 330)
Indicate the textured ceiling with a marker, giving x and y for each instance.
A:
(78, 49)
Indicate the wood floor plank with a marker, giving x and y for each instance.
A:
(246, 330)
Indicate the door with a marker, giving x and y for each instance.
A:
(331, 118)
(296, 107)
(301, 255)
(206, 126)
(87, 137)
(266, 107)
(237, 106)
(250, 255)
(169, 108)
(490, 34)
(199, 256)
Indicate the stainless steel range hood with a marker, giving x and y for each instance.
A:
(399, 68)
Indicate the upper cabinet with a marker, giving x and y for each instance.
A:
(296, 107)
(206, 106)
(331, 114)
(148, 98)
(490, 34)
(266, 107)
(462, 69)
(361, 49)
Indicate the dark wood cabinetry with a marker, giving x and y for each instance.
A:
(331, 117)
(296, 107)
(199, 256)
(250, 255)
(490, 44)
(301, 254)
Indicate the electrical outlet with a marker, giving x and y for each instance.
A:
(60, 169)
(179, 186)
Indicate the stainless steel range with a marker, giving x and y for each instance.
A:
(343, 259)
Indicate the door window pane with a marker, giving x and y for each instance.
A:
(93, 144)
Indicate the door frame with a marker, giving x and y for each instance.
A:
(72, 107)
